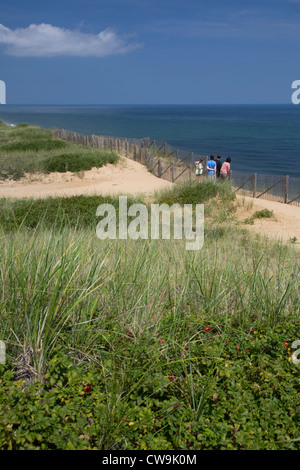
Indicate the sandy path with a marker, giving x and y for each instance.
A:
(284, 226)
(127, 177)
(130, 177)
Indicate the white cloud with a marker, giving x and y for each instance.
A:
(45, 40)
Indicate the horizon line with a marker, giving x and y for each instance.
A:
(146, 104)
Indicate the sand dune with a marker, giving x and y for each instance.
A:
(285, 225)
(130, 177)
(127, 177)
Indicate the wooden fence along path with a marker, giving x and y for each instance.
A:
(160, 158)
(174, 165)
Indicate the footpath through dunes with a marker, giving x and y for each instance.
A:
(132, 178)
(284, 225)
(125, 177)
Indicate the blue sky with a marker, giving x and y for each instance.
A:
(149, 51)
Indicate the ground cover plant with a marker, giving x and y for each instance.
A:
(117, 344)
(141, 344)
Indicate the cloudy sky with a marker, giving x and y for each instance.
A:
(149, 51)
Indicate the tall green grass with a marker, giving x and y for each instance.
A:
(136, 313)
(139, 282)
(191, 192)
(141, 344)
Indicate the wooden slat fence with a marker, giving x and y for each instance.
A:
(173, 165)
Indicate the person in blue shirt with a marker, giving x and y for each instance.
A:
(211, 167)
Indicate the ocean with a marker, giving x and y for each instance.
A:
(263, 139)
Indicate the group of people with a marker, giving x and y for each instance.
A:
(215, 168)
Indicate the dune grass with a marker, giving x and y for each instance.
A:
(144, 345)
(141, 344)
(155, 336)
(30, 149)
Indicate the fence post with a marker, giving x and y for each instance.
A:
(286, 196)
(254, 184)
(159, 168)
(147, 158)
(173, 171)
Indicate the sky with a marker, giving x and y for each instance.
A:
(149, 51)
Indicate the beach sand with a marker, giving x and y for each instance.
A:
(284, 226)
(126, 177)
(130, 177)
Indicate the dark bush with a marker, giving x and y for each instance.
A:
(78, 161)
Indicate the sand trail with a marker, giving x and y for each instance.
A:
(126, 177)
(130, 177)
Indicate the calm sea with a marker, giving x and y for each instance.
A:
(258, 138)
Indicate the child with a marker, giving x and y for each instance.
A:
(199, 168)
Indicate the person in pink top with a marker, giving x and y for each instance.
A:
(224, 172)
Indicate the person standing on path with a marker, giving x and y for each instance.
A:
(219, 165)
(211, 168)
(199, 168)
(224, 172)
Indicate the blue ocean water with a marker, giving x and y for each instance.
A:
(258, 138)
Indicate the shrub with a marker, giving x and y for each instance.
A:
(34, 145)
(75, 162)
(24, 124)
(196, 193)
(262, 214)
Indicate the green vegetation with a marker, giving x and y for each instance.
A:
(195, 193)
(30, 149)
(76, 162)
(262, 214)
(141, 344)
(75, 211)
